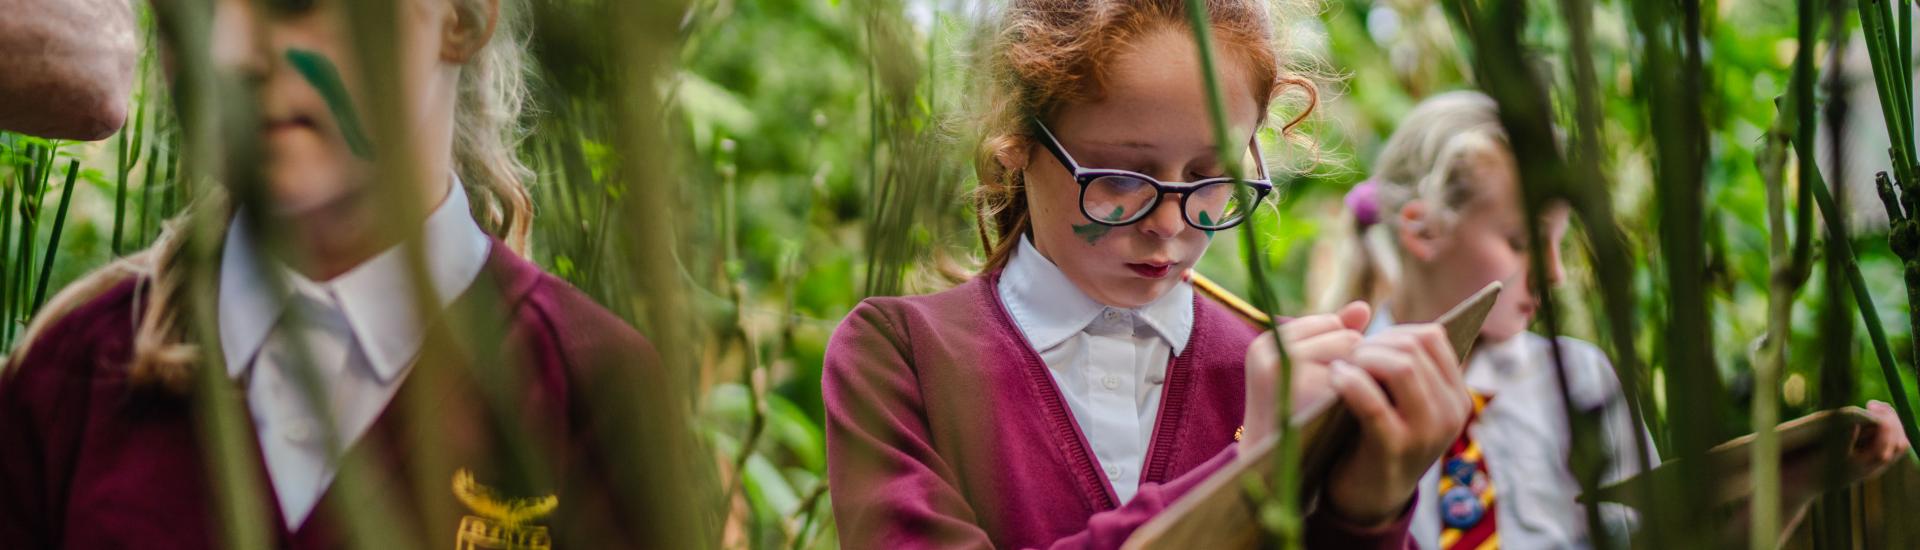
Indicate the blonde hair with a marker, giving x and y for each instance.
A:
(1048, 53)
(487, 132)
(1427, 159)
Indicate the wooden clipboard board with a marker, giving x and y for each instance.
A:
(1218, 513)
(1735, 459)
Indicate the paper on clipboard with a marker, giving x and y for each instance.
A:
(1216, 514)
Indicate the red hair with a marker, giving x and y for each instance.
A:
(1048, 53)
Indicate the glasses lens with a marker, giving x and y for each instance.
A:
(1117, 199)
(1220, 205)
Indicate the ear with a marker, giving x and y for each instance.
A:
(1013, 158)
(467, 28)
(1416, 231)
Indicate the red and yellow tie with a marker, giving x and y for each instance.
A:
(1466, 492)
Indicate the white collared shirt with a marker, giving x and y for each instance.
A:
(1110, 363)
(360, 330)
(1523, 435)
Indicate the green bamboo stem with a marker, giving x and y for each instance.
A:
(1544, 175)
(6, 249)
(1764, 507)
(670, 484)
(1893, 85)
(53, 240)
(1838, 233)
(1285, 525)
(1890, 87)
(1901, 72)
(130, 144)
(1906, 57)
(154, 162)
(240, 515)
(29, 226)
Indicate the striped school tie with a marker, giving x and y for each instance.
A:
(1466, 492)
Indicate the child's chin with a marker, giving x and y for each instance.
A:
(297, 194)
(1501, 330)
(1138, 292)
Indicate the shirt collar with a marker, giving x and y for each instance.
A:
(1382, 319)
(1049, 308)
(373, 295)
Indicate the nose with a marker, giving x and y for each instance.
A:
(239, 42)
(1166, 220)
(1556, 272)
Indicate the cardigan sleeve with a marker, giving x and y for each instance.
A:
(892, 489)
(1111, 528)
(43, 399)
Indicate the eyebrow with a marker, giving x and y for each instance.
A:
(1128, 144)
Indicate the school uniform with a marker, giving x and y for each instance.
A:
(1013, 411)
(1520, 434)
(490, 385)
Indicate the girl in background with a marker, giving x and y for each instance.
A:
(1442, 217)
(1078, 385)
(339, 370)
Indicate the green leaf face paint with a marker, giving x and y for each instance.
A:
(325, 77)
(1092, 232)
(1206, 220)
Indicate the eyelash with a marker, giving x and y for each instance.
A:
(293, 7)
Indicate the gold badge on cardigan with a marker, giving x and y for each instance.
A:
(499, 524)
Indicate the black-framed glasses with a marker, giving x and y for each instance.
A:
(1122, 197)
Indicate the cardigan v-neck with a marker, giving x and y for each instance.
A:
(92, 459)
(945, 430)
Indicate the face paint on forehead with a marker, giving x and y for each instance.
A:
(325, 77)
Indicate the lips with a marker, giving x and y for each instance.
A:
(1151, 270)
(295, 122)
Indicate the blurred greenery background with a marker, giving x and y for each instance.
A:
(823, 155)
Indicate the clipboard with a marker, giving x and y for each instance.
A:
(1735, 459)
(1217, 513)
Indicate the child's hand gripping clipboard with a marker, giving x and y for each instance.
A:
(1218, 513)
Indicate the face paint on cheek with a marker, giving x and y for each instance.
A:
(325, 77)
(1206, 220)
(1092, 232)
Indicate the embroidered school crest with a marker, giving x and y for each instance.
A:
(499, 524)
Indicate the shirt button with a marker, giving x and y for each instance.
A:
(299, 431)
(1114, 315)
(1113, 472)
(1110, 381)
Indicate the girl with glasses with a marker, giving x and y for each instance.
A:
(1078, 385)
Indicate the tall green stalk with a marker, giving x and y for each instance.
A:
(1892, 77)
(1764, 506)
(129, 144)
(232, 457)
(53, 240)
(668, 488)
(1526, 114)
(1280, 515)
(6, 248)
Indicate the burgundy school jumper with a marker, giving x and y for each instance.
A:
(88, 460)
(945, 430)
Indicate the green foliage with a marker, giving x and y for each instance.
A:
(820, 155)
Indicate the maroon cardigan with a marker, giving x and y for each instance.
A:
(89, 459)
(945, 430)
